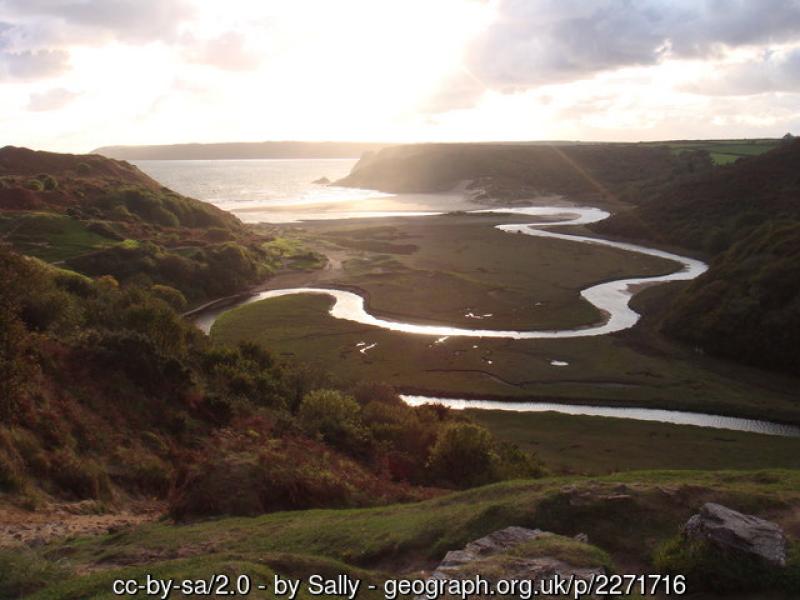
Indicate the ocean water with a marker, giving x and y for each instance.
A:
(282, 190)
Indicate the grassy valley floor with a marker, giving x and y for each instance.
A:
(442, 269)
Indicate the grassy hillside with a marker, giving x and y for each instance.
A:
(629, 516)
(104, 217)
(107, 394)
(520, 171)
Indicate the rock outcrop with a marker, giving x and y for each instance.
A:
(733, 531)
(518, 553)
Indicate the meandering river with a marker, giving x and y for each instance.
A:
(611, 298)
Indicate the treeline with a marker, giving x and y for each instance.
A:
(106, 393)
(746, 218)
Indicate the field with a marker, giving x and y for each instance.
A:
(724, 152)
(403, 539)
(599, 445)
(461, 265)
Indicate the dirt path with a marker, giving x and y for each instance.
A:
(63, 520)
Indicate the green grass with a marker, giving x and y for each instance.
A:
(51, 237)
(595, 445)
(720, 158)
(724, 152)
(439, 269)
(462, 264)
(294, 253)
(602, 369)
(627, 516)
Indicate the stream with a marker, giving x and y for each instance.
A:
(611, 298)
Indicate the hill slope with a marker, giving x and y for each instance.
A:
(747, 216)
(105, 217)
(521, 171)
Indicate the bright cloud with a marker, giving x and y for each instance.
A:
(76, 74)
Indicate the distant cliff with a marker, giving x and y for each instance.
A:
(240, 150)
(517, 171)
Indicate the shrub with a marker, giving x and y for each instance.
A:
(334, 418)
(49, 183)
(83, 168)
(514, 463)
(170, 295)
(463, 456)
(34, 185)
(105, 230)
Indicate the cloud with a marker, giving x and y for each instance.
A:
(125, 20)
(459, 91)
(772, 72)
(51, 99)
(29, 64)
(228, 52)
(545, 41)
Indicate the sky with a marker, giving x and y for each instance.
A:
(78, 74)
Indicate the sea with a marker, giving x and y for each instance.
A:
(283, 190)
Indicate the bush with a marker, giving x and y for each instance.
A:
(463, 456)
(333, 418)
(170, 295)
(514, 463)
(105, 230)
(49, 183)
(34, 185)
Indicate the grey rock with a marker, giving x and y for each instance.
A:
(733, 531)
(322, 181)
(489, 557)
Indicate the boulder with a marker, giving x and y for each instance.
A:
(494, 543)
(322, 181)
(733, 531)
(518, 553)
